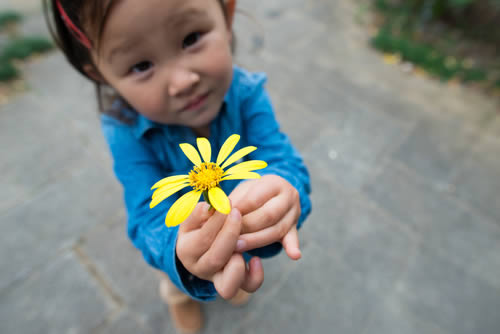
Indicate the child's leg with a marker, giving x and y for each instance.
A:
(169, 292)
(184, 311)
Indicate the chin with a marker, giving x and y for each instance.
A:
(203, 121)
(206, 117)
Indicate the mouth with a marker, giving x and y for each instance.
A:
(195, 103)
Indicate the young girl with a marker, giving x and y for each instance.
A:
(169, 65)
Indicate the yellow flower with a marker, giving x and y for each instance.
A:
(204, 178)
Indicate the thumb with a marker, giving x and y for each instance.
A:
(290, 243)
(200, 214)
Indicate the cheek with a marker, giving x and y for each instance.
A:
(220, 63)
(147, 100)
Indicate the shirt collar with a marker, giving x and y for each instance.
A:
(143, 125)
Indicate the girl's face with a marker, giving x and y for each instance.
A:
(170, 59)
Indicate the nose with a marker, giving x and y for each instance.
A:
(182, 82)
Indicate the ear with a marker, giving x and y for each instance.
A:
(93, 73)
(230, 9)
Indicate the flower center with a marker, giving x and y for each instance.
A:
(205, 177)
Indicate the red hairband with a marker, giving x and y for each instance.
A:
(77, 33)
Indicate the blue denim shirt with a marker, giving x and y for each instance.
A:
(145, 152)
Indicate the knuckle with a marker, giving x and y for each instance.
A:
(270, 216)
(205, 242)
(253, 202)
(215, 262)
(245, 226)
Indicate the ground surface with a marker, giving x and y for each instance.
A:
(405, 231)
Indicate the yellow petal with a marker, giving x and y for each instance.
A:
(191, 153)
(204, 148)
(241, 176)
(246, 166)
(160, 191)
(170, 179)
(219, 200)
(227, 148)
(163, 194)
(182, 208)
(238, 155)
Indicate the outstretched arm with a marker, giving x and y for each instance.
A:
(275, 206)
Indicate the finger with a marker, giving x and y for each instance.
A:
(239, 193)
(202, 227)
(210, 230)
(222, 248)
(196, 219)
(228, 281)
(254, 276)
(269, 235)
(254, 198)
(291, 244)
(271, 212)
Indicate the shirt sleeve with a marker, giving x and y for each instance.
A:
(137, 168)
(274, 147)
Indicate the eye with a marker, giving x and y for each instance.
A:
(141, 67)
(191, 39)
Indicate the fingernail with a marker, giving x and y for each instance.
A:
(240, 244)
(235, 214)
(205, 206)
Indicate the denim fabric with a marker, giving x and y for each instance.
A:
(145, 152)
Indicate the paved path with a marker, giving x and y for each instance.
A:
(405, 231)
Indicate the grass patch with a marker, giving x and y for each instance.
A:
(19, 49)
(425, 56)
(432, 45)
(22, 48)
(9, 17)
(7, 71)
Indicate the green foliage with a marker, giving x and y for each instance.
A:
(23, 47)
(475, 74)
(19, 48)
(9, 17)
(435, 8)
(407, 24)
(7, 71)
(425, 56)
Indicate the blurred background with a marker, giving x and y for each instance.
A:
(394, 106)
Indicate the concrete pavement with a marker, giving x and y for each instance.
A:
(405, 231)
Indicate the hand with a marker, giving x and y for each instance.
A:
(206, 247)
(271, 208)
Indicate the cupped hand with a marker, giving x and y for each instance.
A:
(271, 208)
(206, 246)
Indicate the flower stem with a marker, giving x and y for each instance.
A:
(205, 197)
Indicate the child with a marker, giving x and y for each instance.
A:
(169, 63)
